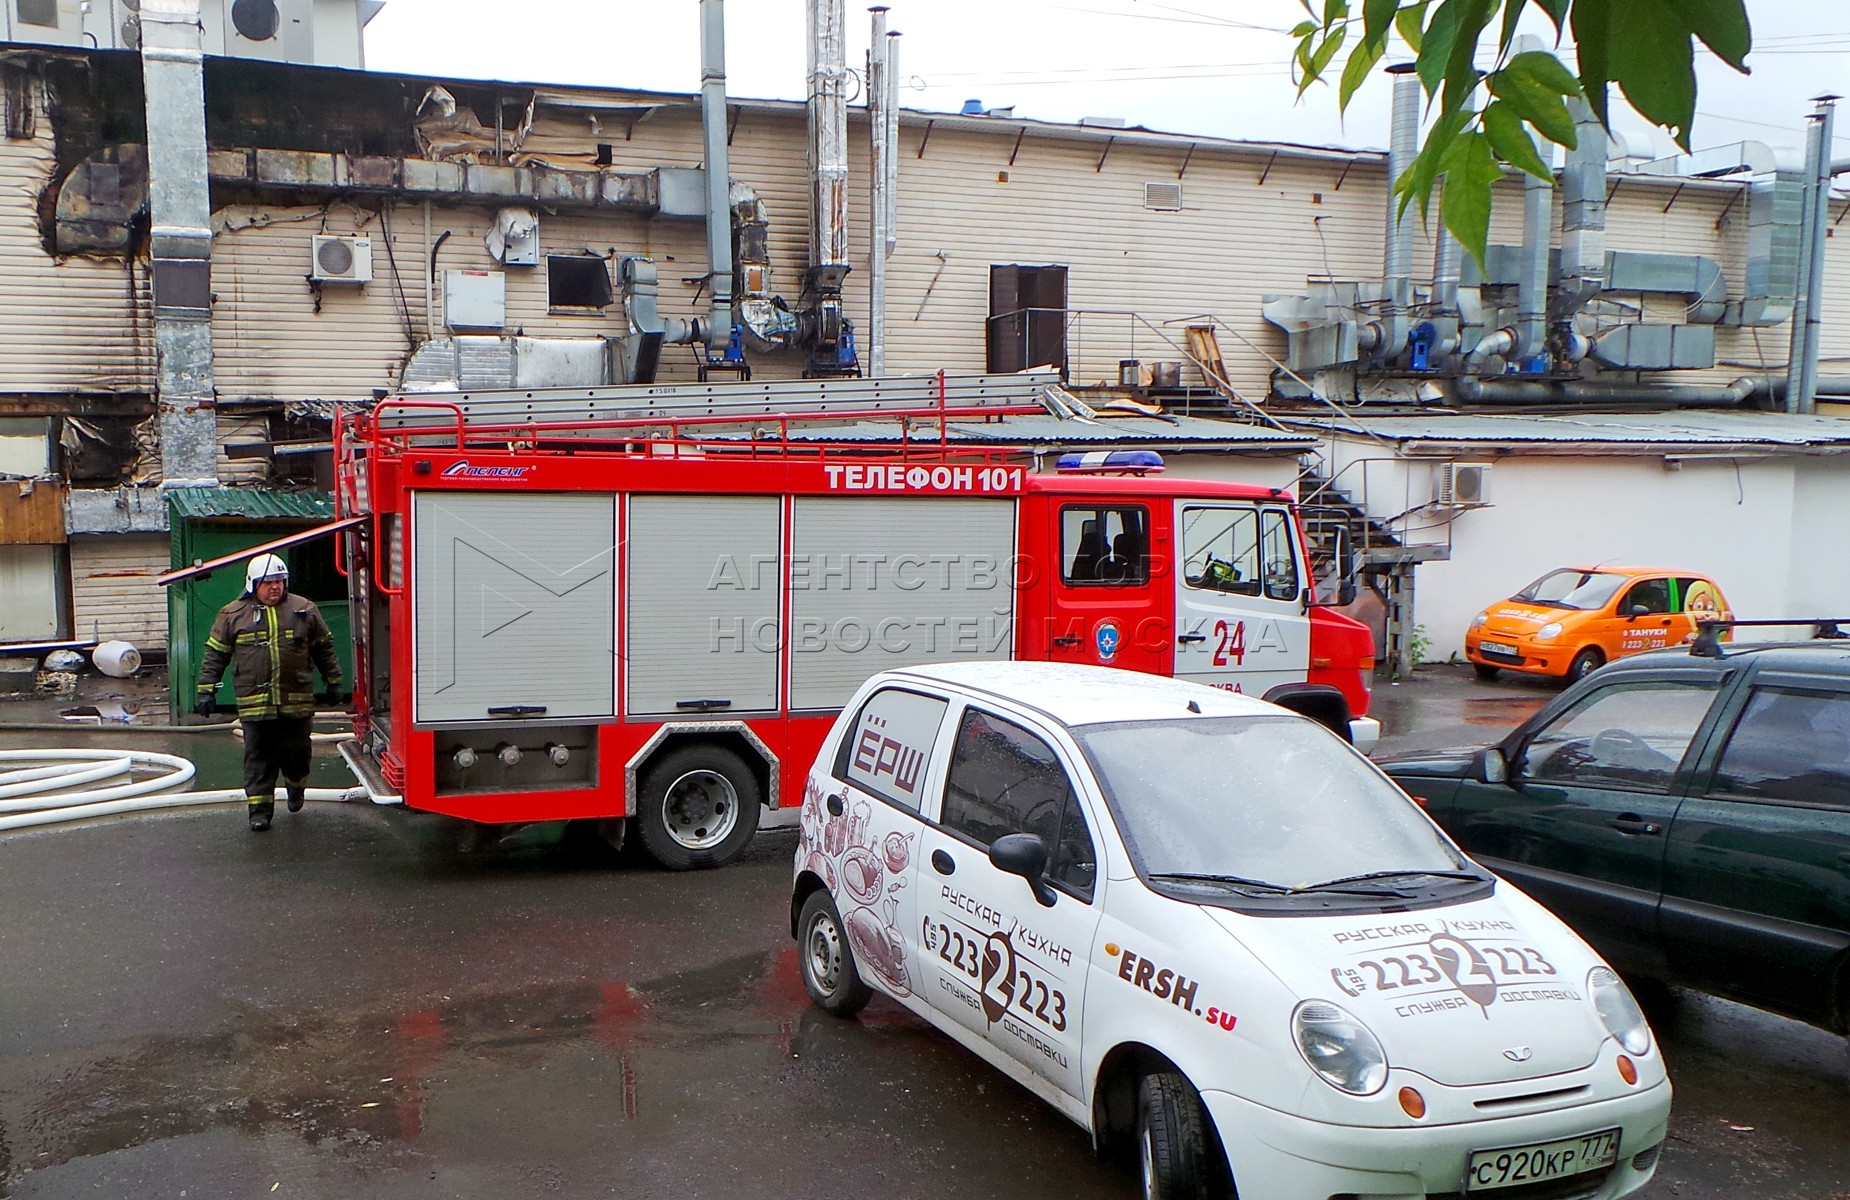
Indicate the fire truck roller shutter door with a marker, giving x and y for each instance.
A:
(702, 619)
(883, 582)
(515, 598)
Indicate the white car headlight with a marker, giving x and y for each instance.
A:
(1479, 620)
(1339, 1048)
(1548, 632)
(1618, 1012)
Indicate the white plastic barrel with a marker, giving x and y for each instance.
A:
(118, 660)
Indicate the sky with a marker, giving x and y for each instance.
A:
(1213, 67)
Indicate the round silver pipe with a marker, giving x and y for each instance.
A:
(828, 133)
(1403, 146)
(1802, 365)
(719, 169)
(1582, 391)
(878, 131)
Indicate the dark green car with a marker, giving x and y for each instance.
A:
(1687, 813)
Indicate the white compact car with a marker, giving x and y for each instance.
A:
(1217, 937)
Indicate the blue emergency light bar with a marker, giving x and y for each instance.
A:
(1106, 462)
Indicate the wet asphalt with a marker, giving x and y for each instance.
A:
(350, 1006)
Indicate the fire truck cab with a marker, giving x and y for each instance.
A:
(641, 608)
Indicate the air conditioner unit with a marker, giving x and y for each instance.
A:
(45, 22)
(277, 30)
(1459, 485)
(340, 259)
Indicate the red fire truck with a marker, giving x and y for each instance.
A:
(639, 608)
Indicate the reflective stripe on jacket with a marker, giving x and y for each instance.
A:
(273, 652)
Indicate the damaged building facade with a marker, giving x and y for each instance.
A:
(350, 232)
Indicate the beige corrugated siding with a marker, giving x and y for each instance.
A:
(1252, 224)
(71, 324)
(113, 594)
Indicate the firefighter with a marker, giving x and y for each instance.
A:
(273, 641)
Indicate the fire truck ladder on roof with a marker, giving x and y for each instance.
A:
(703, 406)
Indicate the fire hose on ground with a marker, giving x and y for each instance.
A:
(47, 787)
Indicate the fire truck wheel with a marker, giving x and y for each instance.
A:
(699, 808)
(829, 975)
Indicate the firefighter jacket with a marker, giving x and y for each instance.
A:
(273, 651)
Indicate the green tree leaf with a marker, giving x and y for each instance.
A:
(1410, 24)
(1512, 142)
(1304, 29)
(1378, 18)
(1533, 85)
(1592, 27)
(1362, 61)
(1470, 172)
(1512, 12)
(1656, 72)
(1334, 11)
(1556, 10)
(1440, 37)
(1722, 26)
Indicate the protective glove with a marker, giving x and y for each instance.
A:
(206, 706)
(337, 699)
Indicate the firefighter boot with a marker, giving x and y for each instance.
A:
(262, 808)
(296, 792)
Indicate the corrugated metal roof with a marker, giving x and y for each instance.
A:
(247, 503)
(1655, 432)
(1193, 433)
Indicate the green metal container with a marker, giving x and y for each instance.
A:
(209, 523)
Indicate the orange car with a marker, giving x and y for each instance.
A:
(1572, 620)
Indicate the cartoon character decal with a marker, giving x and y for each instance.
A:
(864, 873)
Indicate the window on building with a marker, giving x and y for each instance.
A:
(1027, 318)
(577, 281)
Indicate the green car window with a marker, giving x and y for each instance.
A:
(1631, 735)
(1790, 745)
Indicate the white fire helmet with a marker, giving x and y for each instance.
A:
(264, 566)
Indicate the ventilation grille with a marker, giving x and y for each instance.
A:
(1163, 197)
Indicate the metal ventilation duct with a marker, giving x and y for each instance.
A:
(719, 192)
(1775, 213)
(1583, 216)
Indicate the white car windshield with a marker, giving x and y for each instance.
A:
(1275, 802)
(1572, 589)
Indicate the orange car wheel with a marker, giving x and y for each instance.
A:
(1584, 664)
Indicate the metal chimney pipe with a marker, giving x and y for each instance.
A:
(1802, 366)
(719, 169)
(1403, 146)
(892, 141)
(877, 127)
(828, 134)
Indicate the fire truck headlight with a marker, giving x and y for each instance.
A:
(464, 758)
(508, 753)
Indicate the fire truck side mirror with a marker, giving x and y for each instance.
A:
(1342, 560)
